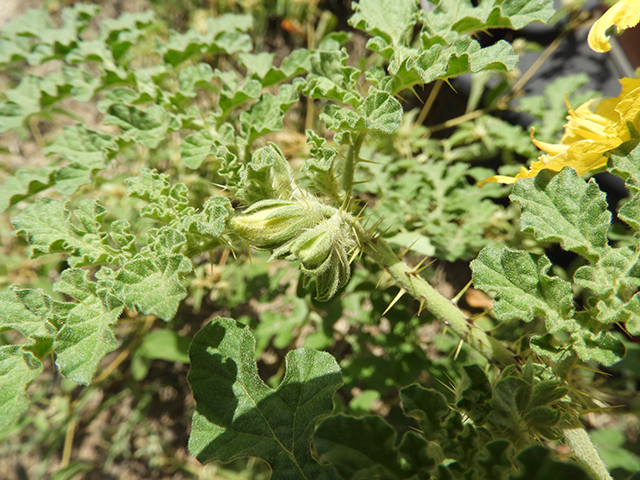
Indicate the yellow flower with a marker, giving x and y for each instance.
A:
(587, 136)
(624, 14)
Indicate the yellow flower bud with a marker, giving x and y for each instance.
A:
(270, 223)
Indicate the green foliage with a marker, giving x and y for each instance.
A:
(516, 406)
(563, 208)
(191, 146)
(446, 48)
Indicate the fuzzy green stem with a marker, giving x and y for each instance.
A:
(585, 452)
(350, 164)
(442, 308)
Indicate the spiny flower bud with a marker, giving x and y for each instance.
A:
(270, 223)
(324, 253)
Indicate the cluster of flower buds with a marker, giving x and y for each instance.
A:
(305, 231)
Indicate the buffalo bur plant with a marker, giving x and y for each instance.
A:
(193, 155)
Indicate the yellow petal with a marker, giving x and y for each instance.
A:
(552, 148)
(624, 14)
(496, 179)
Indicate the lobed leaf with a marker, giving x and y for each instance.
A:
(150, 281)
(85, 332)
(266, 115)
(463, 55)
(331, 78)
(25, 183)
(238, 415)
(18, 368)
(223, 35)
(564, 208)
(463, 16)
(627, 167)
(49, 229)
(358, 447)
(392, 21)
(523, 289)
(147, 127)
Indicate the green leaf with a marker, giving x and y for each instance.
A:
(427, 406)
(537, 463)
(49, 229)
(212, 220)
(238, 415)
(148, 128)
(21, 102)
(24, 184)
(320, 168)
(25, 311)
(626, 167)
(523, 289)
(614, 281)
(463, 16)
(462, 56)
(195, 148)
(87, 151)
(260, 65)
(18, 368)
(233, 93)
(564, 208)
(392, 21)
(267, 176)
(110, 28)
(266, 115)
(381, 112)
(150, 281)
(361, 447)
(223, 35)
(331, 78)
(85, 335)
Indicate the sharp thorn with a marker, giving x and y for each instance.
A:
(418, 269)
(394, 301)
(461, 292)
(458, 348)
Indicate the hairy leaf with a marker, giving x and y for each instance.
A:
(24, 184)
(627, 167)
(237, 415)
(463, 16)
(564, 208)
(148, 128)
(18, 368)
(266, 115)
(50, 229)
(523, 288)
(84, 334)
(358, 447)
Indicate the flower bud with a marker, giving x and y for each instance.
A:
(324, 252)
(270, 223)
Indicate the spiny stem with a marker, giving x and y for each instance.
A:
(585, 452)
(442, 308)
(350, 164)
